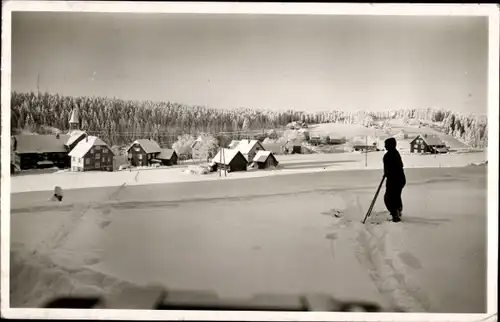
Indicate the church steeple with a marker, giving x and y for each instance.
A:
(73, 120)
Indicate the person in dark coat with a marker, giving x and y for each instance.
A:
(396, 180)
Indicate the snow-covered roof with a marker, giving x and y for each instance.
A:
(245, 146)
(229, 155)
(41, 143)
(262, 156)
(73, 136)
(234, 144)
(149, 146)
(431, 140)
(166, 154)
(85, 145)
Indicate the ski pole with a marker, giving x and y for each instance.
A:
(368, 213)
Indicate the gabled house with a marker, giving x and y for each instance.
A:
(166, 157)
(265, 160)
(142, 151)
(427, 144)
(249, 148)
(91, 154)
(230, 159)
(40, 151)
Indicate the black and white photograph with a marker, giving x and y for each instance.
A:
(256, 158)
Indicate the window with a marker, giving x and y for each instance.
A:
(87, 161)
(415, 146)
(140, 163)
(140, 156)
(92, 150)
(104, 150)
(97, 155)
(98, 165)
(74, 159)
(150, 156)
(130, 155)
(137, 149)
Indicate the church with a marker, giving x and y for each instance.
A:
(36, 151)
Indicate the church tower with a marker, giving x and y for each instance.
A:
(74, 123)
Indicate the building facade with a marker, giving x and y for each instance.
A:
(142, 152)
(91, 154)
(427, 144)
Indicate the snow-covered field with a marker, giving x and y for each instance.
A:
(274, 234)
(290, 164)
(355, 130)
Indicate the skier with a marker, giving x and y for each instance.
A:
(396, 180)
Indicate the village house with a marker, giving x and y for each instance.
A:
(295, 147)
(230, 159)
(142, 151)
(336, 139)
(265, 160)
(315, 139)
(427, 144)
(40, 151)
(166, 157)
(91, 154)
(249, 148)
(364, 144)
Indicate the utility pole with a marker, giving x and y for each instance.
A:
(220, 162)
(224, 159)
(366, 151)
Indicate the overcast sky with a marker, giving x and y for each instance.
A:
(278, 62)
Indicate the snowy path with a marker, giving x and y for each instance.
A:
(277, 234)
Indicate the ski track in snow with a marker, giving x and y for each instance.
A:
(48, 270)
(375, 246)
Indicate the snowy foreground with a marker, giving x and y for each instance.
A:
(290, 234)
(291, 164)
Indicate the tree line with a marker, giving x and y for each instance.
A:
(119, 122)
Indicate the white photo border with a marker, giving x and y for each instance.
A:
(488, 10)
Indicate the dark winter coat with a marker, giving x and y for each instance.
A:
(393, 169)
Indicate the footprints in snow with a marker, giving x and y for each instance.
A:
(374, 245)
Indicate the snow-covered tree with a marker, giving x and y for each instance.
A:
(183, 145)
